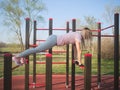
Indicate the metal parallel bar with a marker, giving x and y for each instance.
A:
(104, 35)
(107, 27)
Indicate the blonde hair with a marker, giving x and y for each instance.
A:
(86, 38)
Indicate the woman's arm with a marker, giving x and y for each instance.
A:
(79, 52)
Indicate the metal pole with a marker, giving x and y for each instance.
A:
(73, 64)
(99, 54)
(87, 72)
(116, 52)
(50, 31)
(27, 57)
(49, 62)
(67, 59)
(48, 72)
(7, 71)
(34, 55)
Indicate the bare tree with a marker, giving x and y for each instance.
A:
(15, 11)
(33, 9)
(91, 22)
(109, 14)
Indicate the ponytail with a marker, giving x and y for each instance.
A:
(86, 38)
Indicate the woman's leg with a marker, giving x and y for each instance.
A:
(49, 43)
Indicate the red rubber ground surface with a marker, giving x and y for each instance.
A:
(59, 83)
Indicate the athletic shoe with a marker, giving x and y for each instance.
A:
(17, 60)
(81, 66)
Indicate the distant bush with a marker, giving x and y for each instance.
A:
(107, 48)
(2, 44)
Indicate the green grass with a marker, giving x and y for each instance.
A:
(107, 66)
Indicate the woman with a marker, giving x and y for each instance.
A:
(78, 39)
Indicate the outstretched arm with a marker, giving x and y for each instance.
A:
(79, 51)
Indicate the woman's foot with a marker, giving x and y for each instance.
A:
(79, 64)
(17, 60)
